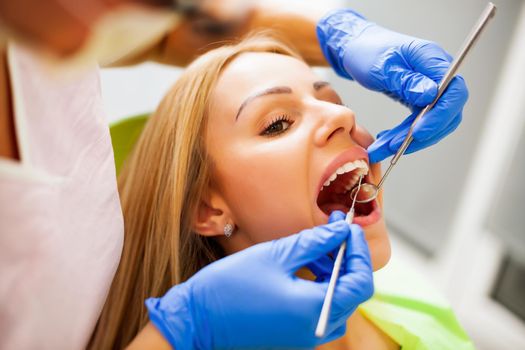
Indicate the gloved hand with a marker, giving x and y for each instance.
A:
(405, 68)
(252, 298)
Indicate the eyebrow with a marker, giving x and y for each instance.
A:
(276, 90)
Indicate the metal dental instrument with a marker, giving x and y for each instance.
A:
(368, 191)
(327, 304)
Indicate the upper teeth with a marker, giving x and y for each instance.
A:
(359, 164)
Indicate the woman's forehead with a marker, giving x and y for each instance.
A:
(252, 72)
(256, 68)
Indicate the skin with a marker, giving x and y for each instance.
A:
(267, 186)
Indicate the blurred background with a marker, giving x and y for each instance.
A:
(456, 211)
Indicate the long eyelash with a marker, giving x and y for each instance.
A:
(281, 118)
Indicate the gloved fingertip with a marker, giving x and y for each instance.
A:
(380, 149)
(336, 215)
(356, 229)
(338, 333)
(376, 155)
(381, 133)
(152, 304)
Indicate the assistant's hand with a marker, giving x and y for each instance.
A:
(252, 298)
(405, 68)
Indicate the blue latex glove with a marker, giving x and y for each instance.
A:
(252, 299)
(405, 68)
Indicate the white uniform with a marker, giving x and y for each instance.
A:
(61, 226)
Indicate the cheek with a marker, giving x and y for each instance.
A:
(266, 197)
(375, 176)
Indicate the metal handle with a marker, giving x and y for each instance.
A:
(488, 13)
(327, 304)
(320, 330)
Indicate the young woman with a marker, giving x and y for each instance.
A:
(248, 146)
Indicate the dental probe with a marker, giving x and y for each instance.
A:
(370, 190)
(327, 303)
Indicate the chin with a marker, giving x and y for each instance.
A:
(381, 256)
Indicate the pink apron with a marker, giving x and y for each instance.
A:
(61, 226)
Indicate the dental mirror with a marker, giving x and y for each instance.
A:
(368, 192)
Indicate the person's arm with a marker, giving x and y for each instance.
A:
(293, 20)
(403, 67)
(8, 143)
(215, 308)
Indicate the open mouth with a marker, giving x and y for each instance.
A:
(335, 192)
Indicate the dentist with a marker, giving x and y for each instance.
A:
(61, 226)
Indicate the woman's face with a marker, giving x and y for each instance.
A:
(276, 135)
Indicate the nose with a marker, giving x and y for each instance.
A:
(333, 120)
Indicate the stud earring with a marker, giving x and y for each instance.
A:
(228, 230)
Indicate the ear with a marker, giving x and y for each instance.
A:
(212, 215)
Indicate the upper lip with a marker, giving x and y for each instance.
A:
(348, 155)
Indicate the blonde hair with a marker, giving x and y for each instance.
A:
(160, 187)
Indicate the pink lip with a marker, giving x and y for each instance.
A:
(368, 220)
(371, 218)
(349, 155)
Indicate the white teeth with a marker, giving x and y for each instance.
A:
(348, 167)
(359, 164)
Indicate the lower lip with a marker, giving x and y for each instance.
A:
(371, 218)
(362, 221)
